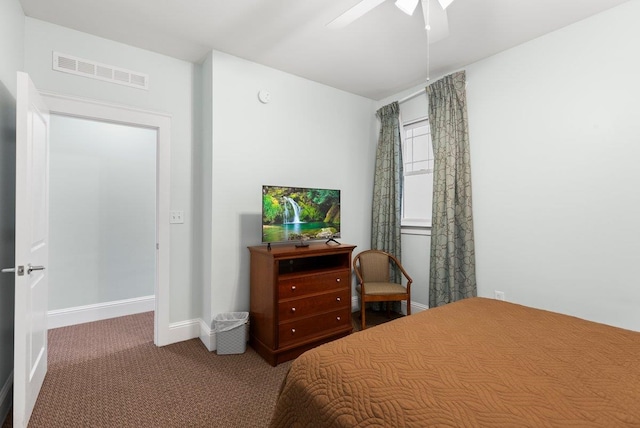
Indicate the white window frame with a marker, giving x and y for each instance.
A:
(415, 226)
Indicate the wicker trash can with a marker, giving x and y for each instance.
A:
(231, 332)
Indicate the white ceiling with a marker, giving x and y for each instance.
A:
(378, 55)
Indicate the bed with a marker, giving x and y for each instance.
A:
(476, 362)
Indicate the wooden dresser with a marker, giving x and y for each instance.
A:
(300, 298)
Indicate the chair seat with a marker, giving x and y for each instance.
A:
(382, 288)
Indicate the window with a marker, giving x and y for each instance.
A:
(417, 156)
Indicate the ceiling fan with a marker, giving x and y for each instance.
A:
(434, 13)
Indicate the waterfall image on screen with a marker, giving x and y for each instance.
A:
(299, 214)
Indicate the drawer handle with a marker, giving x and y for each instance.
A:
(293, 288)
(338, 299)
(337, 279)
(293, 331)
(293, 310)
(337, 318)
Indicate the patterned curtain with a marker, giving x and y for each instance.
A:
(453, 266)
(387, 184)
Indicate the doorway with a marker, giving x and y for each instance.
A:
(102, 220)
(78, 113)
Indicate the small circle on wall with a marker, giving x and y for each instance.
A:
(264, 96)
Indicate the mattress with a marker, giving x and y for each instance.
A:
(476, 362)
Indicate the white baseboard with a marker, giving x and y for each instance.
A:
(6, 397)
(207, 336)
(183, 330)
(178, 332)
(415, 306)
(99, 311)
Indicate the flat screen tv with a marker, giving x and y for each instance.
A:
(300, 214)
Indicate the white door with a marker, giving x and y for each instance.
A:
(32, 252)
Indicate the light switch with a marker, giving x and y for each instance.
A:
(176, 217)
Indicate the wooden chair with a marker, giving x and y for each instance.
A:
(372, 269)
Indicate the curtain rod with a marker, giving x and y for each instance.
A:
(420, 92)
(408, 97)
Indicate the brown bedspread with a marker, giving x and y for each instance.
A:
(477, 362)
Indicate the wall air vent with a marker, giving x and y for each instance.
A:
(108, 73)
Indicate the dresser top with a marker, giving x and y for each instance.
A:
(290, 250)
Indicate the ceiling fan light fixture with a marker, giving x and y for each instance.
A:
(408, 6)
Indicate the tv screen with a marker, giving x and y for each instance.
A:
(299, 214)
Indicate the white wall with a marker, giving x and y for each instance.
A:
(552, 124)
(553, 127)
(102, 212)
(11, 52)
(11, 42)
(170, 91)
(416, 261)
(309, 135)
(554, 148)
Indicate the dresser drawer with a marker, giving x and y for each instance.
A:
(298, 330)
(306, 306)
(301, 285)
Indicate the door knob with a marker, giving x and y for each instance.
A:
(32, 268)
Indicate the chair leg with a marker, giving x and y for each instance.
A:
(408, 306)
(389, 309)
(362, 312)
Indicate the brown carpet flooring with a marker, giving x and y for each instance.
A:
(109, 373)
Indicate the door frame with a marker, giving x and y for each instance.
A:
(161, 122)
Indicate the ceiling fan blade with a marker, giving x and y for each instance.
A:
(354, 13)
(407, 6)
(435, 17)
(445, 3)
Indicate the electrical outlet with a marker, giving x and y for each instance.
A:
(498, 295)
(176, 217)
